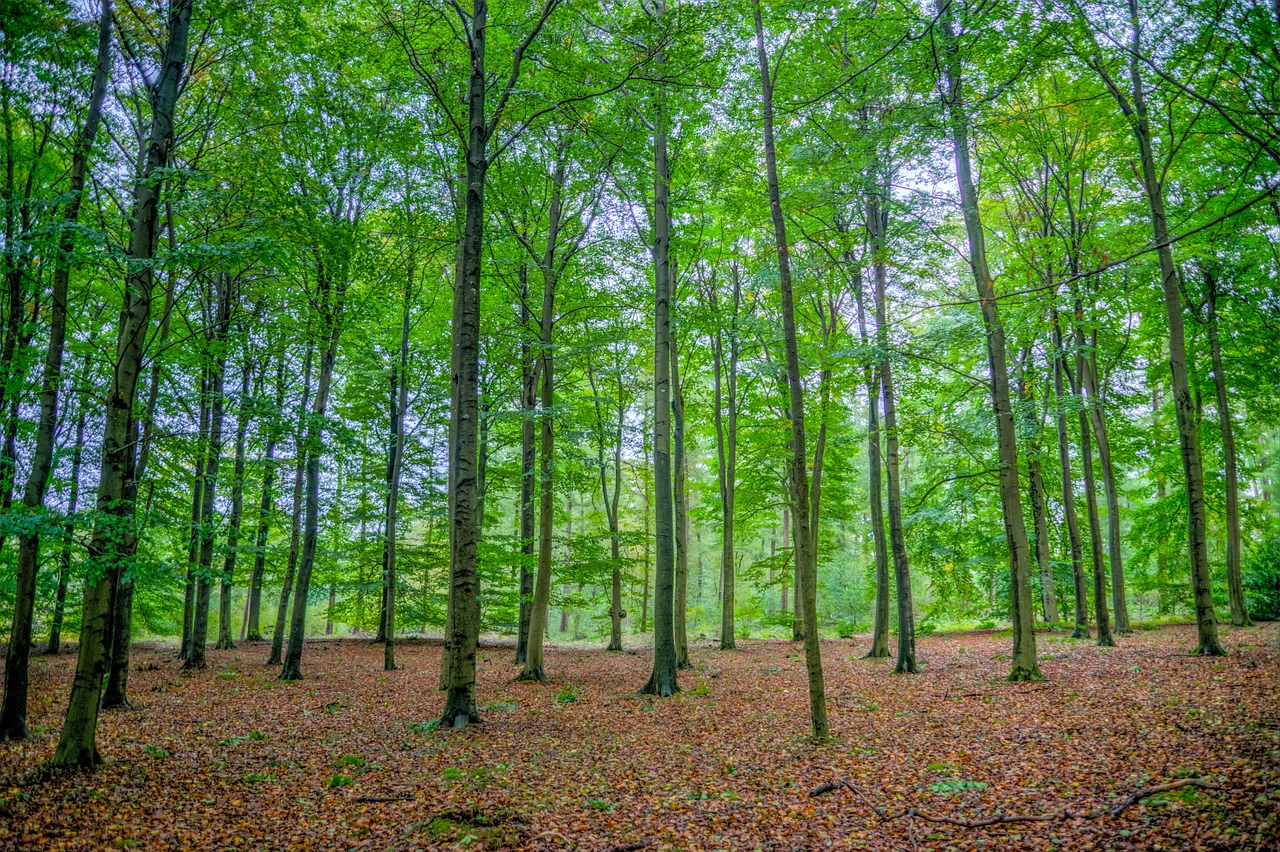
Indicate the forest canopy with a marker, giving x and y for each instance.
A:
(631, 324)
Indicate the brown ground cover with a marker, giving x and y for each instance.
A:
(232, 758)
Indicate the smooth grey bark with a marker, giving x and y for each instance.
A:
(295, 517)
(875, 489)
(1025, 665)
(217, 340)
(610, 500)
(1033, 425)
(77, 743)
(528, 472)
(253, 621)
(331, 291)
(806, 574)
(399, 404)
(1235, 585)
(193, 539)
(13, 711)
(680, 496)
(1081, 630)
(877, 223)
(727, 450)
(1105, 638)
(68, 534)
(663, 680)
(1133, 104)
(1094, 405)
(237, 510)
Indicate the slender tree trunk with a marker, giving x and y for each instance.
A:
(77, 741)
(1081, 630)
(663, 681)
(68, 534)
(330, 299)
(1135, 111)
(806, 574)
(237, 510)
(295, 517)
(611, 507)
(204, 570)
(880, 629)
(877, 222)
(1024, 665)
(1035, 486)
(1235, 585)
(528, 472)
(13, 711)
(681, 602)
(1098, 422)
(395, 464)
(1095, 527)
(727, 451)
(458, 665)
(253, 626)
(193, 539)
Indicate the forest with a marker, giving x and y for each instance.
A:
(672, 424)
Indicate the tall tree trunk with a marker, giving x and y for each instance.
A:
(528, 473)
(295, 516)
(806, 574)
(1035, 486)
(1235, 586)
(880, 629)
(193, 539)
(663, 681)
(13, 712)
(330, 299)
(395, 464)
(1081, 630)
(1098, 421)
(253, 625)
(610, 501)
(458, 665)
(1135, 111)
(237, 510)
(77, 741)
(877, 222)
(1095, 527)
(534, 657)
(1024, 665)
(213, 457)
(727, 456)
(68, 534)
(681, 603)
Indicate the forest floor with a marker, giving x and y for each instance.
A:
(232, 758)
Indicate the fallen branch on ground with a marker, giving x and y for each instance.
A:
(995, 819)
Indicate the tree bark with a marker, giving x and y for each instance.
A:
(1135, 111)
(77, 744)
(1235, 585)
(877, 222)
(193, 539)
(68, 534)
(727, 453)
(528, 472)
(1024, 665)
(663, 681)
(295, 517)
(680, 613)
(399, 401)
(806, 573)
(880, 628)
(13, 711)
(237, 510)
(1081, 630)
(1105, 638)
(253, 625)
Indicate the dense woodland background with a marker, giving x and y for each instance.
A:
(277, 194)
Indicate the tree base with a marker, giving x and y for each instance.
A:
(876, 654)
(534, 675)
(908, 667)
(15, 732)
(274, 660)
(662, 685)
(1247, 622)
(189, 665)
(291, 672)
(1022, 674)
(225, 645)
(1205, 649)
(253, 637)
(1081, 632)
(684, 666)
(115, 702)
(75, 757)
(728, 645)
(459, 709)
(1106, 642)
(615, 647)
